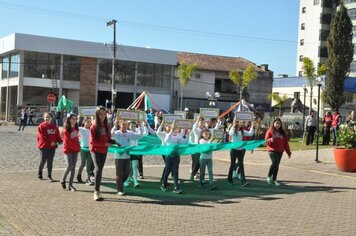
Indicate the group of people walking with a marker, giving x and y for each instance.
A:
(93, 139)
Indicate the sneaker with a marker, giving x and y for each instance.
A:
(63, 185)
(72, 189)
(88, 182)
(269, 180)
(276, 183)
(40, 177)
(141, 177)
(50, 179)
(212, 187)
(244, 184)
(79, 178)
(191, 178)
(97, 196)
(121, 193)
(177, 191)
(137, 185)
(164, 189)
(92, 179)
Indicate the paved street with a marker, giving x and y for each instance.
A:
(315, 199)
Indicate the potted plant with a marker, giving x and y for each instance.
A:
(345, 157)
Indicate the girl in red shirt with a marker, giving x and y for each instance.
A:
(277, 142)
(71, 148)
(47, 139)
(99, 141)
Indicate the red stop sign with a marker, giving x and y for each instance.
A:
(51, 97)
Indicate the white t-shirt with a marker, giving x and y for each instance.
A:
(125, 139)
(205, 155)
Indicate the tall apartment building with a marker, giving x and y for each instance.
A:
(314, 27)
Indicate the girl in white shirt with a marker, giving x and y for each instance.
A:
(237, 133)
(84, 132)
(172, 161)
(206, 160)
(125, 138)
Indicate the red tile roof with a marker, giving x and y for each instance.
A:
(216, 63)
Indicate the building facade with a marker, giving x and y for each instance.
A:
(32, 66)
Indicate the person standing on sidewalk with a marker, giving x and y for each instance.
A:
(237, 133)
(47, 138)
(99, 142)
(310, 127)
(85, 155)
(23, 119)
(277, 143)
(326, 128)
(71, 148)
(335, 124)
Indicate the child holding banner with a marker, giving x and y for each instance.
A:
(71, 148)
(206, 160)
(85, 155)
(237, 133)
(139, 129)
(277, 143)
(172, 161)
(99, 141)
(125, 138)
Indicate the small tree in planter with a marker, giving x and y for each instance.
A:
(345, 158)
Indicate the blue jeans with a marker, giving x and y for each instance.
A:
(172, 165)
(335, 129)
(209, 164)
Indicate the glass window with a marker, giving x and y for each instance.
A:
(5, 64)
(316, 2)
(14, 65)
(324, 35)
(323, 52)
(326, 19)
(328, 3)
(302, 26)
(301, 58)
(153, 75)
(353, 66)
(124, 72)
(42, 65)
(71, 68)
(304, 9)
(352, 14)
(301, 43)
(349, 1)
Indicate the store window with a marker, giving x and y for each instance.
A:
(71, 68)
(5, 65)
(14, 65)
(41, 65)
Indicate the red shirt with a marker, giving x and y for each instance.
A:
(47, 133)
(336, 120)
(98, 144)
(71, 141)
(279, 144)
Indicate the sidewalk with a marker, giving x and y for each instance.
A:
(315, 199)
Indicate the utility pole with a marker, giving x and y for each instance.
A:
(113, 89)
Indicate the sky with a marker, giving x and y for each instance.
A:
(262, 31)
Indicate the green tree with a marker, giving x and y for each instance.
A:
(309, 72)
(340, 56)
(279, 100)
(243, 80)
(185, 72)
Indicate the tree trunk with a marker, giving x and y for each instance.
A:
(181, 100)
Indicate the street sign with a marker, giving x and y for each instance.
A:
(51, 97)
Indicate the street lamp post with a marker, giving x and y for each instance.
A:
(319, 80)
(212, 98)
(305, 91)
(113, 89)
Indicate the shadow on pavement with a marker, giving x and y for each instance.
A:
(224, 194)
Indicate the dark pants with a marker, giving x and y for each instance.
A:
(172, 165)
(85, 158)
(71, 161)
(99, 162)
(310, 134)
(276, 159)
(47, 155)
(195, 164)
(239, 155)
(326, 135)
(23, 123)
(30, 121)
(140, 165)
(122, 172)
